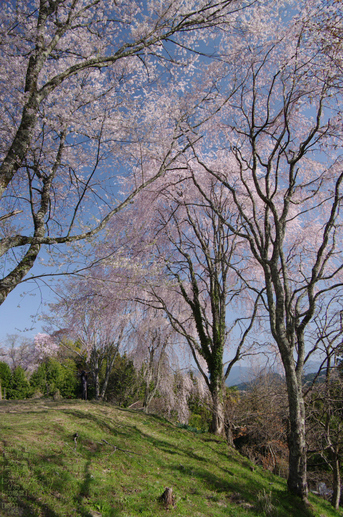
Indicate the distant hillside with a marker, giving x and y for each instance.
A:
(82, 459)
(245, 386)
(242, 376)
(310, 377)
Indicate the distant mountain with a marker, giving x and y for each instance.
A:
(309, 378)
(239, 375)
(312, 367)
(248, 384)
(242, 376)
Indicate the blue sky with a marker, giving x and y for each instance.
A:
(20, 311)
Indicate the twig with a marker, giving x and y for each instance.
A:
(11, 214)
(115, 448)
(72, 448)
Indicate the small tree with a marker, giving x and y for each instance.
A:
(124, 385)
(261, 422)
(325, 429)
(5, 379)
(150, 347)
(19, 387)
(324, 399)
(96, 323)
(18, 351)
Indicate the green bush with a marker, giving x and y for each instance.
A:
(5, 379)
(200, 413)
(198, 422)
(52, 376)
(124, 385)
(19, 386)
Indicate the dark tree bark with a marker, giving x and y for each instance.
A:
(84, 384)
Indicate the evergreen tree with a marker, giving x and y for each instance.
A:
(52, 375)
(124, 384)
(19, 386)
(5, 378)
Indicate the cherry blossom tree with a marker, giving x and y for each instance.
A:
(45, 346)
(275, 147)
(151, 349)
(189, 270)
(97, 324)
(82, 102)
(18, 351)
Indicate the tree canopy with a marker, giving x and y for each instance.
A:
(221, 123)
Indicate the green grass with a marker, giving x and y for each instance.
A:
(43, 474)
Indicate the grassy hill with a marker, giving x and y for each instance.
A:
(120, 464)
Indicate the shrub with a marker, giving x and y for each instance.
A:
(51, 376)
(124, 384)
(19, 386)
(5, 378)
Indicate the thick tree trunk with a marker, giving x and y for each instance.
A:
(297, 473)
(217, 424)
(229, 433)
(105, 384)
(8, 284)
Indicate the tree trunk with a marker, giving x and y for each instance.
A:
(148, 380)
(229, 432)
(97, 385)
(217, 424)
(151, 369)
(297, 473)
(95, 373)
(147, 397)
(336, 496)
(109, 366)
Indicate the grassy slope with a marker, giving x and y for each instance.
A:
(43, 474)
